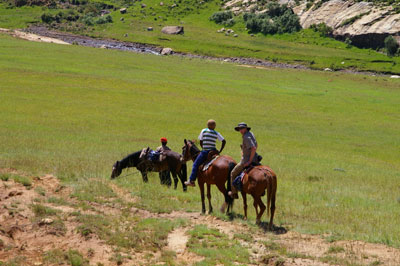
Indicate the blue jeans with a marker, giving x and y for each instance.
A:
(199, 160)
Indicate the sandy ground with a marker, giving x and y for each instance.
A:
(32, 37)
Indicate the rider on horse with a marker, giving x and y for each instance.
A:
(165, 177)
(249, 155)
(208, 138)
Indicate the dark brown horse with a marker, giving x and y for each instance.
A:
(173, 162)
(216, 174)
(255, 182)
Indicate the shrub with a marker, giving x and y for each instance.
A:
(223, 17)
(47, 18)
(391, 45)
(278, 19)
(322, 29)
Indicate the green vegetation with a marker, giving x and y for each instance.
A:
(305, 47)
(71, 257)
(216, 247)
(43, 211)
(391, 46)
(278, 19)
(353, 19)
(4, 177)
(223, 17)
(342, 128)
(322, 29)
(26, 181)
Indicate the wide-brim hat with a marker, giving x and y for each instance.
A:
(242, 125)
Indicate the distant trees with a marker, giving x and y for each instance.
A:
(277, 19)
(223, 17)
(391, 46)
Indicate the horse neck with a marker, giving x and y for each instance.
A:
(131, 160)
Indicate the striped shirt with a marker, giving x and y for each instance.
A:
(209, 138)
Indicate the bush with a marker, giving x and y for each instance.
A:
(223, 17)
(47, 18)
(278, 19)
(322, 29)
(104, 20)
(391, 45)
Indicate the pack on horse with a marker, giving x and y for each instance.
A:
(255, 181)
(171, 161)
(216, 174)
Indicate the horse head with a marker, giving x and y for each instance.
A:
(116, 170)
(189, 150)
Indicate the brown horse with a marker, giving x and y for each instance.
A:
(216, 174)
(255, 182)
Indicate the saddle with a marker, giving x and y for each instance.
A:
(212, 156)
(238, 181)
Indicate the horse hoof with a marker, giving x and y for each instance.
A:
(245, 218)
(210, 211)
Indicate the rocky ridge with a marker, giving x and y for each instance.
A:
(366, 24)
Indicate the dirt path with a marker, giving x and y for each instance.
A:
(23, 235)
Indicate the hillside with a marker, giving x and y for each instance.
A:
(143, 21)
(69, 112)
(365, 24)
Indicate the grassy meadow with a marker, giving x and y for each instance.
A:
(305, 47)
(332, 138)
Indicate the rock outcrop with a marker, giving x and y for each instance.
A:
(172, 30)
(365, 23)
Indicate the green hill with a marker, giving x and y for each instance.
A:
(332, 138)
(305, 47)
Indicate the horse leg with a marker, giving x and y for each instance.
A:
(144, 176)
(175, 179)
(203, 205)
(273, 198)
(182, 174)
(244, 196)
(210, 208)
(257, 200)
(228, 199)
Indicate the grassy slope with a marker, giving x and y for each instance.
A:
(305, 47)
(73, 111)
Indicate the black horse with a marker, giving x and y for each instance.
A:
(173, 162)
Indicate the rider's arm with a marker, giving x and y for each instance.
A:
(201, 138)
(253, 152)
(222, 145)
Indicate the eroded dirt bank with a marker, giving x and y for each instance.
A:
(31, 235)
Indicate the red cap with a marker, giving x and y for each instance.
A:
(163, 139)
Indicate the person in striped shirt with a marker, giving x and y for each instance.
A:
(208, 138)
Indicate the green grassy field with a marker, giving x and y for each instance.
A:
(305, 47)
(72, 111)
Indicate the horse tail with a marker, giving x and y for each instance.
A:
(269, 193)
(228, 199)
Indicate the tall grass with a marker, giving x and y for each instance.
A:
(73, 111)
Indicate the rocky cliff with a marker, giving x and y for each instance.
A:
(366, 24)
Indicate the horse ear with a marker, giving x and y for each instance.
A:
(185, 141)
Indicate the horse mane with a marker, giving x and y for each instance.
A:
(131, 160)
(196, 149)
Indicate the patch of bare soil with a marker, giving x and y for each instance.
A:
(22, 235)
(32, 37)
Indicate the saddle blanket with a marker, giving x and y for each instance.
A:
(238, 182)
(154, 156)
(205, 167)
